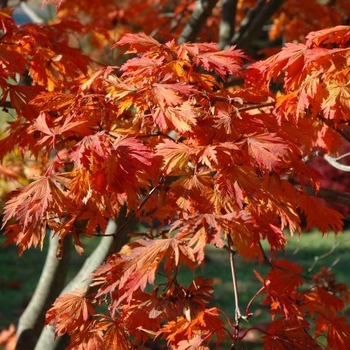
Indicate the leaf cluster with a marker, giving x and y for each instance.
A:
(172, 139)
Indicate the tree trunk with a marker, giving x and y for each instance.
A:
(51, 282)
(82, 280)
(227, 24)
(200, 14)
(251, 25)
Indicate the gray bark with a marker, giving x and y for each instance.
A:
(197, 20)
(335, 163)
(252, 24)
(82, 280)
(51, 281)
(227, 24)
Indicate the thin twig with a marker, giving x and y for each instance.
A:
(244, 108)
(342, 156)
(334, 163)
(146, 136)
(318, 258)
(247, 313)
(133, 214)
(238, 314)
(252, 329)
(266, 259)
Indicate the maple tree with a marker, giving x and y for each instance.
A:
(197, 142)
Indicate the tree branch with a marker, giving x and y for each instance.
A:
(51, 281)
(80, 281)
(3, 3)
(345, 133)
(252, 24)
(334, 163)
(238, 314)
(196, 22)
(227, 24)
(329, 194)
(34, 17)
(317, 258)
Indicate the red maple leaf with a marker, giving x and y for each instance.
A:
(70, 312)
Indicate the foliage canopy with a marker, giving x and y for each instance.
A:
(198, 143)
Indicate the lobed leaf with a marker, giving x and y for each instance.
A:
(70, 312)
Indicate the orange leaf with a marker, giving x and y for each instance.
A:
(70, 313)
(207, 323)
(221, 62)
(114, 335)
(339, 35)
(320, 216)
(175, 155)
(267, 150)
(29, 205)
(133, 271)
(138, 42)
(170, 94)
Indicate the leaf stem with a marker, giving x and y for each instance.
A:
(247, 313)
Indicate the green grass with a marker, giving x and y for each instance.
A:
(18, 276)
